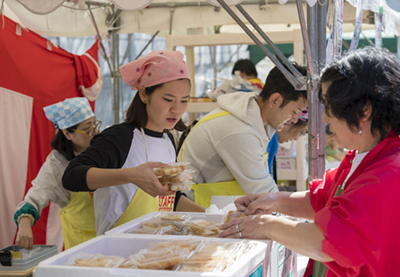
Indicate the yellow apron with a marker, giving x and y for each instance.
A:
(142, 203)
(77, 219)
(204, 191)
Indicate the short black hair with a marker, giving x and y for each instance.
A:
(245, 66)
(277, 82)
(63, 145)
(367, 76)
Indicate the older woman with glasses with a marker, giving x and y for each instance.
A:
(76, 125)
(354, 208)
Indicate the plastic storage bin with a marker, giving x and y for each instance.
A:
(279, 260)
(124, 246)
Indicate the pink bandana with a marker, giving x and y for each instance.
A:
(155, 68)
(304, 115)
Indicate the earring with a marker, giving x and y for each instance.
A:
(360, 132)
(145, 102)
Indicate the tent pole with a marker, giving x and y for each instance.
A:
(147, 45)
(306, 41)
(278, 52)
(321, 21)
(115, 75)
(312, 96)
(297, 84)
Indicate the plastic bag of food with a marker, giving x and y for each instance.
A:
(178, 177)
(233, 215)
(156, 258)
(176, 186)
(170, 169)
(94, 260)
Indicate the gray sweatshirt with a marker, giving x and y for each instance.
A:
(231, 147)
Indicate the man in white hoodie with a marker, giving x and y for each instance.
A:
(227, 148)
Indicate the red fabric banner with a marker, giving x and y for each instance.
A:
(31, 65)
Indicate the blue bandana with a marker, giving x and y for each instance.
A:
(68, 113)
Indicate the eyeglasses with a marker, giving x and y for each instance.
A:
(92, 131)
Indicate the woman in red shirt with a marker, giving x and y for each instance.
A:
(354, 208)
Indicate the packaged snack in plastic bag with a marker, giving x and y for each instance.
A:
(147, 231)
(95, 260)
(127, 264)
(203, 228)
(184, 185)
(178, 177)
(233, 215)
(170, 169)
(208, 266)
(156, 258)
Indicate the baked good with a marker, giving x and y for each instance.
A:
(234, 214)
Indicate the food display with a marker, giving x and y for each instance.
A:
(175, 175)
(170, 169)
(169, 224)
(95, 260)
(233, 215)
(176, 255)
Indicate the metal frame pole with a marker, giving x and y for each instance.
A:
(321, 21)
(312, 97)
(306, 41)
(278, 52)
(297, 84)
(115, 75)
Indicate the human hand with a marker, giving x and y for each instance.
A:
(256, 203)
(250, 227)
(144, 177)
(25, 235)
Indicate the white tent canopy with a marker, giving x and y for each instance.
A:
(72, 21)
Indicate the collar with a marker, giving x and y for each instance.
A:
(152, 133)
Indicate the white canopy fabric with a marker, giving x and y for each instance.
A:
(391, 18)
(70, 21)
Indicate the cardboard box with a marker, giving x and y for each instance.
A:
(248, 264)
(282, 163)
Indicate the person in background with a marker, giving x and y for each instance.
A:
(247, 70)
(332, 149)
(228, 147)
(291, 132)
(354, 208)
(76, 125)
(118, 166)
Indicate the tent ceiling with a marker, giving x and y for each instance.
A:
(68, 20)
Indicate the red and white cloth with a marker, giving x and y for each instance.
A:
(34, 74)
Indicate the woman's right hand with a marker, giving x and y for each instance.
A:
(144, 177)
(25, 235)
(256, 203)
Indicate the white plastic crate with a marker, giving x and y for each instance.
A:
(249, 264)
(137, 223)
(274, 265)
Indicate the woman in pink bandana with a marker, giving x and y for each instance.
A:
(118, 166)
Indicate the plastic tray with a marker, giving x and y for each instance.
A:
(29, 258)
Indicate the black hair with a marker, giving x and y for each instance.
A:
(64, 145)
(136, 114)
(367, 76)
(277, 82)
(245, 66)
